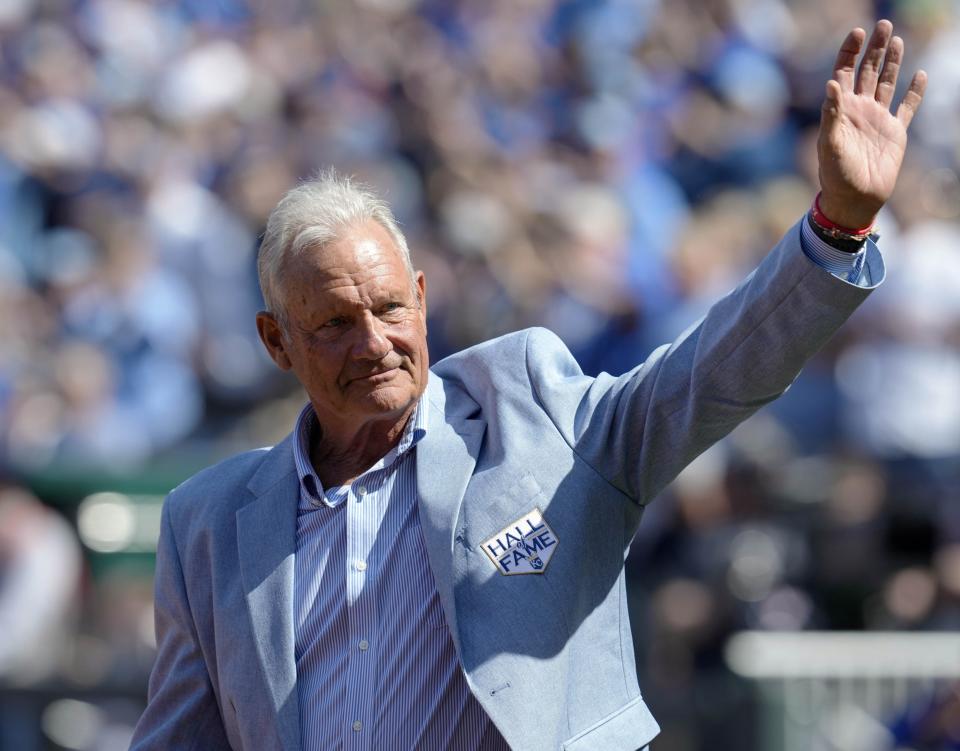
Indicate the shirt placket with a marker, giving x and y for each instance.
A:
(363, 521)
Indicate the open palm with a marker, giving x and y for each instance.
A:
(861, 143)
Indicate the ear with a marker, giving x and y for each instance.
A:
(271, 334)
(421, 287)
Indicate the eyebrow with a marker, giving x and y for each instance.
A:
(406, 297)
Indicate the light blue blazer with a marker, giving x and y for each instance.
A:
(514, 426)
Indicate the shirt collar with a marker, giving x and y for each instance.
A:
(311, 489)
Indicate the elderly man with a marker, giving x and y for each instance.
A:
(434, 559)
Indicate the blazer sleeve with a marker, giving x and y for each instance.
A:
(182, 712)
(640, 429)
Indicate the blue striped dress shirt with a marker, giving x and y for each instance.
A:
(376, 665)
(850, 267)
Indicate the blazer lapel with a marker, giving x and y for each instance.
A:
(446, 457)
(266, 538)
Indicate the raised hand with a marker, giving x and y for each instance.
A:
(861, 143)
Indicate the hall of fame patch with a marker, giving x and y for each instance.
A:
(522, 547)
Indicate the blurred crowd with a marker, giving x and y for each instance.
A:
(605, 169)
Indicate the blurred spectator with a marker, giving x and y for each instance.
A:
(40, 568)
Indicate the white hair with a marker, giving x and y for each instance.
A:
(312, 215)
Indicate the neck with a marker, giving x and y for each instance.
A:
(340, 456)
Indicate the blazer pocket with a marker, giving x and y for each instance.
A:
(630, 726)
(496, 504)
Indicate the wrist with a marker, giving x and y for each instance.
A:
(847, 243)
(849, 239)
(832, 214)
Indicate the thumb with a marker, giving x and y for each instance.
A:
(831, 103)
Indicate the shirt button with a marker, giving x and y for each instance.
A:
(362, 490)
(360, 565)
(357, 726)
(364, 645)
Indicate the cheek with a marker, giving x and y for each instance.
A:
(410, 338)
(317, 365)
(418, 350)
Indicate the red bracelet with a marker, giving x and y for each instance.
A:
(834, 229)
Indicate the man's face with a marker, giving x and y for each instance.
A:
(356, 329)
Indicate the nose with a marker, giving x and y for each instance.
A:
(372, 343)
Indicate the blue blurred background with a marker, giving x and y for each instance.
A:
(606, 169)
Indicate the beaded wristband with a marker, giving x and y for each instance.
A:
(834, 230)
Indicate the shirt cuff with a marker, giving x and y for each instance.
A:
(846, 266)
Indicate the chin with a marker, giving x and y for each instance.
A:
(388, 400)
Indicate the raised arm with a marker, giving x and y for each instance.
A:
(641, 429)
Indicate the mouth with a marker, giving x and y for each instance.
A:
(374, 379)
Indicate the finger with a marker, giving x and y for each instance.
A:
(912, 99)
(887, 84)
(845, 66)
(873, 57)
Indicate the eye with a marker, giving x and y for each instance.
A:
(392, 307)
(335, 323)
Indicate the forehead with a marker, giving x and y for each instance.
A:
(362, 261)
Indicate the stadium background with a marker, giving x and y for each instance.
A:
(605, 169)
